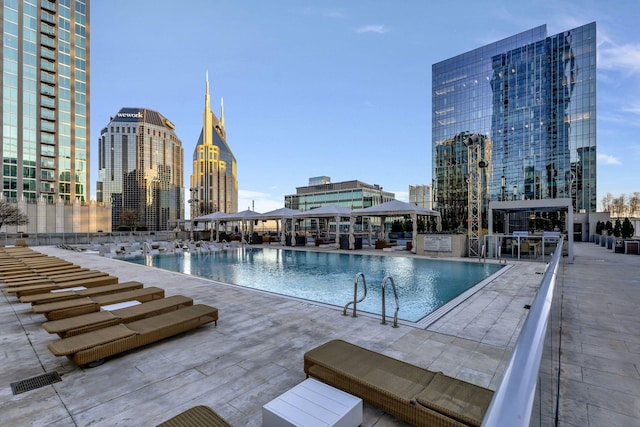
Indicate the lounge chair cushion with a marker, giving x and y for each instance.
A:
(413, 394)
(402, 379)
(101, 343)
(101, 319)
(198, 416)
(78, 343)
(64, 305)
(460, 400)
(95, 318)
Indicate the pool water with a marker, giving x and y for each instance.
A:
(423, 285)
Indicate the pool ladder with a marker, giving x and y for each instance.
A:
(364, 286)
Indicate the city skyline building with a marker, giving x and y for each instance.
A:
(214, 181)
(44, 137)
(347, 194)
(141, 170)
(421, 195)
(531, 98)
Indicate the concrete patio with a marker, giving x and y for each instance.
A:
(255, 353)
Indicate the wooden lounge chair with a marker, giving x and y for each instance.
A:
(75, 307)
(91, 282)
(94, 346)
(62, 295)
(413, 394)
(198, 416)
(55, 278)
(101, 319)
(49, 276)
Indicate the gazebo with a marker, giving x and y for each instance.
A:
(282, 215)
(215, 219)
(243, 217)
(396, 208)
(328, 211)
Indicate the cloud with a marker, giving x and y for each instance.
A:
(613, 56)
(632, 109)
(335, 14)
(373, 28)
(608, 160)
(259, 201)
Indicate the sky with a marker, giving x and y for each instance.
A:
(336, 88)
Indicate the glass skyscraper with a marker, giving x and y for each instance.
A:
(532, 100)
(140, 170)
(44, 137)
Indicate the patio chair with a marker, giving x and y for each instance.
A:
(198, 416)
(94, 347)
(62, 295)
(408, 392)
(101, 319)
(75, 307)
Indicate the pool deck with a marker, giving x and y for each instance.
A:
(255, 353)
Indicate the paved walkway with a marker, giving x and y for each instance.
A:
(600, 347)
(255, 352)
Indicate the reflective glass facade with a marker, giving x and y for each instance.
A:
(532, 99)
(44, 138)
(140, 170)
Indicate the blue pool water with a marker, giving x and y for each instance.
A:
(423, 285)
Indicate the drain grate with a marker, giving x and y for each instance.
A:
(35, 382)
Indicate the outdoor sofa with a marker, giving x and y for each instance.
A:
(415, 395)
(95, 346)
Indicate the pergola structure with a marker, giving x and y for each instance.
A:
(538, 205)
(398, 208)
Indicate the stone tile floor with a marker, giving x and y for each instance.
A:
(255, 353)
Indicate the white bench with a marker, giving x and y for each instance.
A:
(313, 403)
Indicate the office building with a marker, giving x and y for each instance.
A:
(214, 182)
(140, 170)
(531, 98)
(45, 135)
(348, 194)
(45, 88)
(420, 195)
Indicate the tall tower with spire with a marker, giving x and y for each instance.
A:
(214, 183)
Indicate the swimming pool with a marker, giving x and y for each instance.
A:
(423, 285)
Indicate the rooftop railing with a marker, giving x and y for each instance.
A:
(524, 386)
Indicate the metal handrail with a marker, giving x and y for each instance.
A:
(395, 295)
(355, 294)
(512, 403)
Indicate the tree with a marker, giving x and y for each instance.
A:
(617, 228)
(10, 214)
(627, 229)
(619, 205)
(129, 217)
(609, 227)
(634, 204)
(599, 227)
(607, 201)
